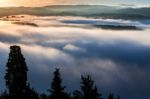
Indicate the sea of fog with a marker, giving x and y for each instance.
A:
(115, 52)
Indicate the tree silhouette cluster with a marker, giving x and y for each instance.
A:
(18, 87)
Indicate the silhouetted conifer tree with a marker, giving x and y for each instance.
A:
(89, 90)
(57, 89)
(16, 75)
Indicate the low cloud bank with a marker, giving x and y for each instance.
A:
(117, 60)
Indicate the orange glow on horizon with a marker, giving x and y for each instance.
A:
(6, 3)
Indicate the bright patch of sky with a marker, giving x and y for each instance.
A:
(72, 2)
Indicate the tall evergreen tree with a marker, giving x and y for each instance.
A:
(16, 74)
(57, 89)
(89, 90)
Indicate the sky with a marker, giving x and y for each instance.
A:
(56, 2)
(117, 60)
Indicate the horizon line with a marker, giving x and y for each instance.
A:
(109, 5)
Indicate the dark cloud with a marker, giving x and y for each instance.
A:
(121, 51)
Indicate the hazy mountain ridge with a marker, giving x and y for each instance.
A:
(80, 10)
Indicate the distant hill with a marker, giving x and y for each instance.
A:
(136, 11)
(80, 10)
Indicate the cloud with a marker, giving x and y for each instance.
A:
(103, 22)
(117, 60)
(70, 47)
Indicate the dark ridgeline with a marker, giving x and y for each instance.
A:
(16, 76)
(18, 86)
